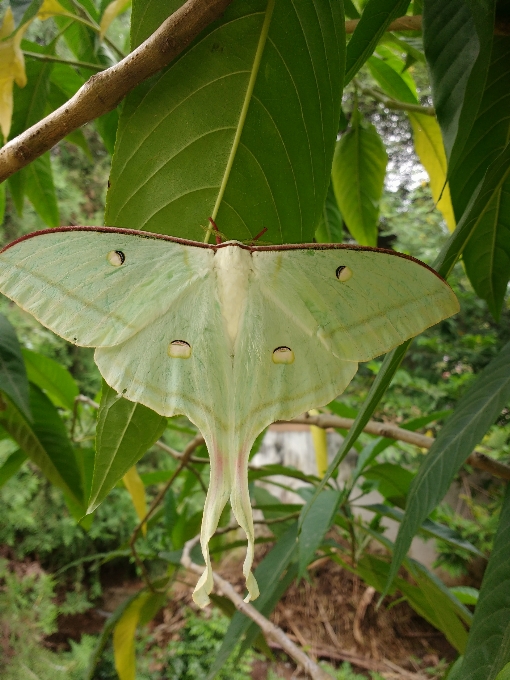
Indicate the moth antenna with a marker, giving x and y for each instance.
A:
(216, 231)
(256, 238)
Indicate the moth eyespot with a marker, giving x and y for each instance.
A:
(124, 390)
(179, 349)
(116, 258)
(343, 273)
(283, 355)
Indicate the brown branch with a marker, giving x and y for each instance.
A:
(104, 91)
(268, 627)
(476, 460)
(414, 23)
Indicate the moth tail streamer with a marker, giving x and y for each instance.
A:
(229, 477)
(241, 507)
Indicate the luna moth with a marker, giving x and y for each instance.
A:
(233, 336)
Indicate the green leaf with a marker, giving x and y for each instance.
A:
(24, 10)
(393, 481)
(487, 254)
(29, 107)
(124, 637)
(2, 202)
(505, 673)
(376, 16)
(241, 127)
(391, 82)
(315, 525)
(268, 575)
(40, 189)
(359, 166)
(52, 378)
(45, 442)
(125, 431)
(11, 466)
(13, 375)
(465, 594)
(488, 648)
(478, 208)
(457, 37)
(476, 411)
(428, 527)
(331, 227)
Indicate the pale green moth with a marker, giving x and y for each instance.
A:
(230, 335)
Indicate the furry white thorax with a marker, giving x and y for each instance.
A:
(233, 266)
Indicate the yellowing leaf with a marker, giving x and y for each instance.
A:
(51, 8)
(320, 444)
(136, 488)
(12, 69)
(123, 638)
(111, 12)
(429, 147)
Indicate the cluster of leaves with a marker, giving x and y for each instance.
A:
(266, 160)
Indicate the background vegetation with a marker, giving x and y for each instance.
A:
(419, 166)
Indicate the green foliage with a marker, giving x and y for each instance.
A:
(271, 70)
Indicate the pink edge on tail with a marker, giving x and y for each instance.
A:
(217, 497)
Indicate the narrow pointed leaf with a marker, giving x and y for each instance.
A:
(52, 378)
(488, 649)
(125, 430)
(457, 37)
(359, 166)
(315, 525)
(376, 17)
(45, 442)
(268, 575)
(13, 375)
(475, 413)
(11, 466)
(241, 127)
(124, 637)
(136, 489)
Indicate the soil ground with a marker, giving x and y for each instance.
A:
(333, 616)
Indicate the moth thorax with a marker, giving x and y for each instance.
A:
(233, 267)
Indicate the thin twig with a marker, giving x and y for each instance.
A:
(59, 60)
(269, 628)
(476, 459)
(196, 441)
(391, 103)
(105, 90)
(414, 23)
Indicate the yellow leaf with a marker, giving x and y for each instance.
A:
(124, 638)
(136, 488)
(51, 8)
(12, 69)
(111, 12)
(428, 144)
(320, 444)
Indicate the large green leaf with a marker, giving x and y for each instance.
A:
(376, 16)
(268, 575)
(488, 649)
(13, 375)
(46, 443)
(487, 255)
(315, 525)
(40, 189)
(52, 378)
(457, 37)
(241, 127)
(331, 227)
(475, 413)
(29, 107)
(124, 432)
(359, 166)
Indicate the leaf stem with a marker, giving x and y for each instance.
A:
(244, 111)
